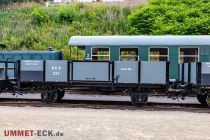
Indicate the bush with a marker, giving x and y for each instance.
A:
(67, 14)
(39, 16)
(171, 17)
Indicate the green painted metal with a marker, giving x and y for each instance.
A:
(173, 59)
(88, 52)
(143, 53)
(30, 55)
(204, 53)
(114, 54)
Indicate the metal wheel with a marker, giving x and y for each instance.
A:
(146, 99)
(61, 93)
(54, 97)
(45, 97)
(134, 99)
(138, 99)
(49, 97)
(199, 98)
(202, 98)
(208, 100)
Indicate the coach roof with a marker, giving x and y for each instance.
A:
(139, 40)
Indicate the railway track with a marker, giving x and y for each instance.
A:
(122, 105)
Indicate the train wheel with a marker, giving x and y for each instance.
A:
(134, 99)
(199, 98)
(61, 93)
(49, 97)
(146, 98)
(208, 100)
(138, 99)
(202, 98)
(44, 96)
(54, 97)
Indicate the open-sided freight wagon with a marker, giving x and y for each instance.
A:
(196, 77)
(139, 78)
(8, 61)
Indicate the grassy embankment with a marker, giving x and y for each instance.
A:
(37, 28)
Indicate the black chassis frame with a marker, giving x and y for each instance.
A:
(110, 84)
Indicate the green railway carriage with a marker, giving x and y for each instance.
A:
(173, 48)
(30, 55)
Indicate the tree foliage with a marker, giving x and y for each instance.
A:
(180, 17)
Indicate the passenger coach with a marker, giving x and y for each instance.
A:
(173, 48)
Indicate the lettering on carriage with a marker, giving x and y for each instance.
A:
(126, 69)
(56, 70)
(29, 63)
(56, 67)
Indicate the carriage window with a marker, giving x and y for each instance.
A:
(187, 55)
(128, 54)
(158, 54)
(100, 54)
(75, 53)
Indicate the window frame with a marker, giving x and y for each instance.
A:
(188, 47)
(100, 47)
(125, 47)
(158, 47)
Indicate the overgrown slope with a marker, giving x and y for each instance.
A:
(38, 28)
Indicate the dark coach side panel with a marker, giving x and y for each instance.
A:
(31, 71)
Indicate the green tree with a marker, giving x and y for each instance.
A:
(171, 17)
